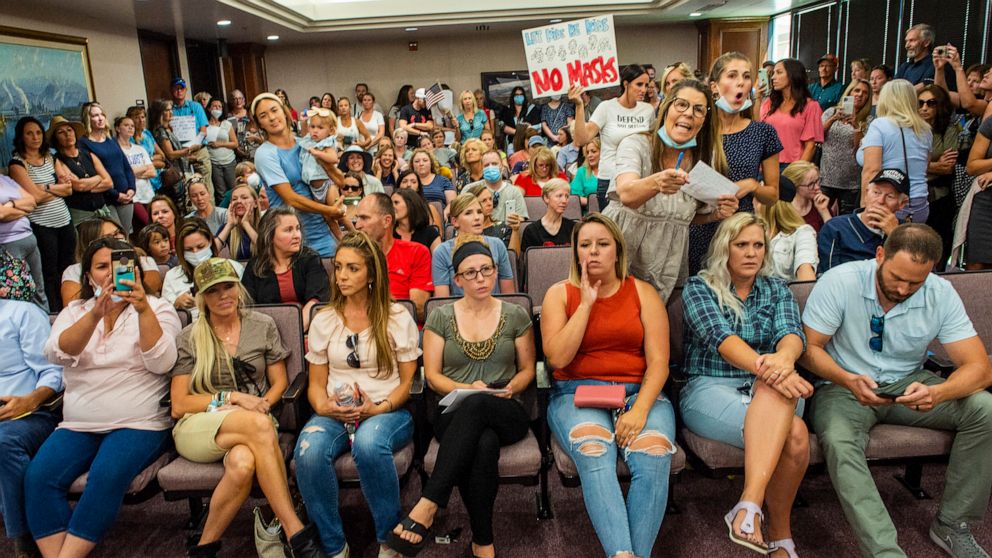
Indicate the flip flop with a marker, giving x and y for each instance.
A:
(788, 545)
(405, 547)
(747, 526)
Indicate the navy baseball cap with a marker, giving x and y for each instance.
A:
(895, 177)
(178, 81)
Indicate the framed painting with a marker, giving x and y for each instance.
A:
(41, 75)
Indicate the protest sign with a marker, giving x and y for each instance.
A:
(582, 51)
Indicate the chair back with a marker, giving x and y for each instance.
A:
(573, 210)
(289, 322)
(328, 264)
(973, 287)
(545, 266)
(535, 207)
(593, 204)
(800, 291)
(404, 302)
(676, 332)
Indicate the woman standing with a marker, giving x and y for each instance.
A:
(240, 232)
(116, 348)
(144, 137)
(974, 227)
(476, 342)
(467, 216)
(161, 119)
(842, 135)
(230, 373)
(350, 130)
(46, 179)
(413, 219)
(471, 120)
(221, 149)
(89, 179)
(293, 116)
(672, 74)
(99, 142)
(879, 76)
(742, 339)
(648, 205)
(792, 111)
(373, 121)
(860, 69)
(434, 186)
(278, 163)
(613, 120)
(603, 327)
(809, 202)
(16, 237)
(936, 110)
(586, 178)
(520, 114)
(141, 166)
(362, 358)
(899, 139)
(404, 97)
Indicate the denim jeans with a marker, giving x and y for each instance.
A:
(322, 441)
(113, 459)
(621, 527)
(19, 441)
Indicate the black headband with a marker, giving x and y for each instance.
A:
(470, 248)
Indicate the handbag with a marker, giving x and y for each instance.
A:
(16, 282)
(268, 535)
(600, 397)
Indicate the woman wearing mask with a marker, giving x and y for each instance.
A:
(98, 141)
(90, 181)
(361, 361)
(613, 120)
(899, 138)
(520, 114)
(793, 112)
(240, 232)
(116, 348)
(648, 205)
(467, 216)
(936, 110)
(842, 133)
(197, 243)
(221, 149)
(751, 147)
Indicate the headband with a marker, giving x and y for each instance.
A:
(470, 248)
(261, 97)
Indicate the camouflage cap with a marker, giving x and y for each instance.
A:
(213, 271)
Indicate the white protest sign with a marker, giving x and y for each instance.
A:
(582, 51)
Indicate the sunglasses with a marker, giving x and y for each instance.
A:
(877, 325)
(352, 343)
(351, 188)
(928, 102)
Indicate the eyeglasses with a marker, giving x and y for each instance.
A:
(927, 102)
(471, 274)
(877, 326)
(681, 106)
(812, 184)
(352, 343)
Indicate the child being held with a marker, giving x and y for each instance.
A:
(153, 239)
(318, 153)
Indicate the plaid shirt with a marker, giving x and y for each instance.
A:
(770, 313)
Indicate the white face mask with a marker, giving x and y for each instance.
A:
(197, 257)
(254, 180)
(97, 291)
(217, 113)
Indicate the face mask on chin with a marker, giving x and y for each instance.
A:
(723, 104)
(97, 291)
(668, 141)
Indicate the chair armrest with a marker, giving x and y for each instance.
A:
(417, 387)
(295, 389)
(53, 403)
(166, 400)
(542, 377)
(939, 365)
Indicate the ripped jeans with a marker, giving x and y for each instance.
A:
(322, 441)
(621, 527)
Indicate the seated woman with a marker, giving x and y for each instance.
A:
(362, 358)
(385, 167)
(553, 229)
(27, 381)
(283, 270)
(476, 342)
(810, 203)
(116, 348)
(90, 230)
(197, 243)
(230, 372)
(467, 217)
(742, 339)
(163, 211)
(153, 239)
(203, 206)
(413, 219)
(409, 180)
(508, 232)
(543, 167)
(604, 327)
(240, 232)
(792, 251)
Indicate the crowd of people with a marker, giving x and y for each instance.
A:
(865, 188)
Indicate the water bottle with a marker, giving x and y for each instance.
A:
(344, 394)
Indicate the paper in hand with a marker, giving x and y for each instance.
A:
(454, 399)
(706, 185)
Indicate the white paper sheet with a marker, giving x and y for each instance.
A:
(706, 185)
(454, 399)
(212, 133)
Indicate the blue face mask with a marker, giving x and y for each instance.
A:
(492, 174)
(724, 105)
(667, 140)
(519, 99)
(97, 291)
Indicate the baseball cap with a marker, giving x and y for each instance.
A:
(829, 58)
(895, 177)
(536, 140)
(212, 272)
(420, 93)
(786, 189)
(178, 81)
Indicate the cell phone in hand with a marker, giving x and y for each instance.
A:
(511, 206)
(763, 80)
(123, 262)
(847, 105)
(498, 385)
(891, 396)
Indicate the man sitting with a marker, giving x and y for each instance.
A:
(868, 325)
(504, 193)
(409, 263)
(856, 236)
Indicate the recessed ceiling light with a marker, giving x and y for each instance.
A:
(273, 37)
(695, 14)
(411, 28)
(554, 21)
(224, 22)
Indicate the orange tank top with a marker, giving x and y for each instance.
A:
(612, 348)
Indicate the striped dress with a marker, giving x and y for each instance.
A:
(53, 213)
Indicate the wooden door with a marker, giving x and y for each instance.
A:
(159, 63)
(747, 36)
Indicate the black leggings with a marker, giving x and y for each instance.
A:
(468, 456)
(57, 246)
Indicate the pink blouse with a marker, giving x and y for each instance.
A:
(806, 125)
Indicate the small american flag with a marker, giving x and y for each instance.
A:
(434, 95)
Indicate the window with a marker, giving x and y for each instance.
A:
(781, 37)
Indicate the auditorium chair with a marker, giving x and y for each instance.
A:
(543, 267)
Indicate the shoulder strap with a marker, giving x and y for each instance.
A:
(905, 158)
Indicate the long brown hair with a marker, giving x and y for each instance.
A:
(709, 144)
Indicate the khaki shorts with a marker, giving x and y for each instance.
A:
(196, 436)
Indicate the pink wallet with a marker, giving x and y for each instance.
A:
(600, 397)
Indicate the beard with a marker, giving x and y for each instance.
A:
(890, 294)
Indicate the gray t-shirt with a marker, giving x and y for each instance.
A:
(839, 168)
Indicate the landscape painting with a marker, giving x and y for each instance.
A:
(41, 75)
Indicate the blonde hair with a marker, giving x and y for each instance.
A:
(716, 274)
(554, 184)
(208, 348)
(782, 217)
(546, 155)
(709, 148)
(620, 267)
(329, 119)
(475, 105)
(238, 236)
(897, 102)
(478, 143)
(682, 68)
(380, 301)
(861, 118)
(797, 171)
(435, 167)
(460, 204)
(84, 116)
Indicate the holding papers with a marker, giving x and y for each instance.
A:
(706, 185)
(455, 398)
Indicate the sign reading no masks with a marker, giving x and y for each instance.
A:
(582, 51)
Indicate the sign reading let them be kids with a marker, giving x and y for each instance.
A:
(582, 51)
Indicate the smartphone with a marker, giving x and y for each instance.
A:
(352, 200)
(847, 105)
(940, 51)
(123, 262)
(891, 396)
(511, 206)
(499, 385)
(763, 80)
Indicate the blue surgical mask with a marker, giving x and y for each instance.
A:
(667, 140)
(97, 291)
(724, 105)
(519, 99)
(197, 257)
(492, 174)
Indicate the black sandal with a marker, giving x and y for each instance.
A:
(405, 547)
